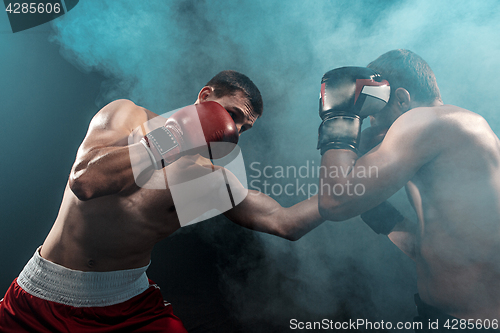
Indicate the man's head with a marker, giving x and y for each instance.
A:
(237, 94)
(412, 81)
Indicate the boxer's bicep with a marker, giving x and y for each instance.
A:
(262, 213)
(102, 165)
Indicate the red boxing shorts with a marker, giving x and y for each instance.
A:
(47, 297)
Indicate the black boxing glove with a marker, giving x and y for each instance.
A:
(382, 218)
(348, 95)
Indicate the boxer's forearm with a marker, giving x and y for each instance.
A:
(302, 218)
(109, 170)
(404, 237)
(262, 213)
(339, 163)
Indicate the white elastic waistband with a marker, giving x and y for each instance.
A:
(52, 282)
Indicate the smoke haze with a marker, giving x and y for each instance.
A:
(160, 54)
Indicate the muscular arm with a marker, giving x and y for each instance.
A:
(414, 139)
(103, 161)
(262, 213)
(253, 210)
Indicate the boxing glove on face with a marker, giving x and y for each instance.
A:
(205, 128)
(348, 95)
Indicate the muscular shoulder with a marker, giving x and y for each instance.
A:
(445, 127)
(122, 113)
(418, 136)
(450, 116)
(422, 125)
(465, 121)
(420, 117)
(471, 130)
(443, 122)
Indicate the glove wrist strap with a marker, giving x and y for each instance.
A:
(339, 131)
(161, 146)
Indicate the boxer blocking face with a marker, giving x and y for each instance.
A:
(348, 95)
(447, 158)
(208, 129)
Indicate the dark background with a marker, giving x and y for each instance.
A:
(218, 276)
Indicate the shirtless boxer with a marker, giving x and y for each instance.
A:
(448, 158)
(89, 274)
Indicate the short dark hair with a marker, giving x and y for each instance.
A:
(229, 82)
(405, 69)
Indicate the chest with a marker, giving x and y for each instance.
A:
(152, 207)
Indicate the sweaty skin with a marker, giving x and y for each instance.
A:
(107, 222)
(449, 160)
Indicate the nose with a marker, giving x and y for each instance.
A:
(238, 127)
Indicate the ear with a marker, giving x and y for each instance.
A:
(403, 99)
(204, 94)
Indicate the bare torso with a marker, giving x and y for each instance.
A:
(112, 232)
(117, 231)
(457, 199)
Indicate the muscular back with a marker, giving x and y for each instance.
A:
(457, 199)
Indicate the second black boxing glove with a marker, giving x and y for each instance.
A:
(382, 218)
(348, 95)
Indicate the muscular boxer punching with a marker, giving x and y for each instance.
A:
(90, 273)
(448, 159)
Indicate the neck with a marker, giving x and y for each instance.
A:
(436, 102)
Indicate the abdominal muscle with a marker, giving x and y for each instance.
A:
(114, 232)
(457, 285)
(458, 264)
(118, 231)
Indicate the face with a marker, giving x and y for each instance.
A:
(385, 117)
(237, 106)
